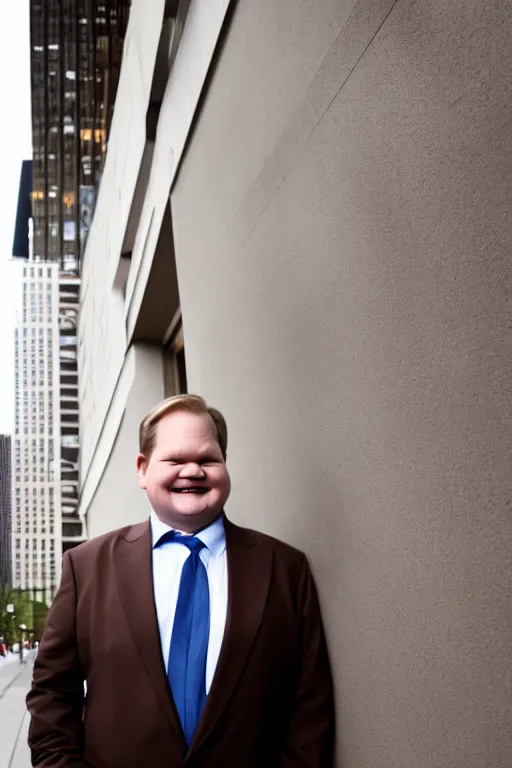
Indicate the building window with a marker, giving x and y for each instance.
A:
(175, 374)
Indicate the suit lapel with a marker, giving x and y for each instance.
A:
(134, 577)
(249, 572)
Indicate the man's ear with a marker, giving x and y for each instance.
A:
(141, 464)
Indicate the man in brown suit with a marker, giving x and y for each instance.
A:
(201, 643)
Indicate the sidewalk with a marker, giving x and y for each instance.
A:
(15, 681)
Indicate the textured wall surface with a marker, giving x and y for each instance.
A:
(118, 500)
(102, 330)
(119, 301)
(342, 230)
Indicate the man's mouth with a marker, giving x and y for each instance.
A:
(190, 489)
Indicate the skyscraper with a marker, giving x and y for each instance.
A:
(5, 511)
(76, 51)
(37, 514)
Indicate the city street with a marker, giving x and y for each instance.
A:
(14, 684)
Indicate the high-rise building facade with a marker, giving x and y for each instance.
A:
(76, 51)
(69, 296)
(5, 512)
(36, 473)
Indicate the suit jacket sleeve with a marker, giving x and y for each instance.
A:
(56, 700)
(310, 739)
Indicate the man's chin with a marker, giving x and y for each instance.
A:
(191, 505)
(189, 519)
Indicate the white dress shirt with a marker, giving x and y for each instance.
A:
(168, 560)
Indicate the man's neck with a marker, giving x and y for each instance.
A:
(195, 530)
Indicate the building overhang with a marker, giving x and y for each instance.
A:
(21, 244)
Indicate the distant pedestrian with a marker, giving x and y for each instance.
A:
(200, 642)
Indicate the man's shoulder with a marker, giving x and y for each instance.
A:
(282, 549)
(106, 542)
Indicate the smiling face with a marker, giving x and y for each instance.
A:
(185, 476)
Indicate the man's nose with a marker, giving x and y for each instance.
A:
(192, 469)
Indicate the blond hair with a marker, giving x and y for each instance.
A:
(189, 403)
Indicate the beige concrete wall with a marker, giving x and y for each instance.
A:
(121, 297)
(102, 329)
(196, 47)
(117, 499)
(342, 231)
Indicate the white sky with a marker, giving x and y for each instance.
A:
(16, 144)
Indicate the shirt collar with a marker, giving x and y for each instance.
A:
(213, 537)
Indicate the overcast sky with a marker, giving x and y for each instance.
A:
(16, 143)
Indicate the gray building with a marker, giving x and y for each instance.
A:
(310, 203)
(37, 515)
(5, 512)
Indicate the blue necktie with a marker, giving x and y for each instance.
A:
(190, 635)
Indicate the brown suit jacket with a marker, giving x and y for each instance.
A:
(270, 704)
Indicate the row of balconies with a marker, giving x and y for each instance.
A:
(72, 528)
